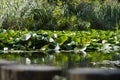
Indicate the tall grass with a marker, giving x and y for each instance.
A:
(59, 14)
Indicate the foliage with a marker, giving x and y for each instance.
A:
(59, 14)
(60, 47)
(59, 40)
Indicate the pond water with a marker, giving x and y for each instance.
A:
(68, 59)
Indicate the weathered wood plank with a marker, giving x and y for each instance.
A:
(6, 63)
(29, 72)
(93, 74)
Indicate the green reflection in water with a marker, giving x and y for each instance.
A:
(68, 59)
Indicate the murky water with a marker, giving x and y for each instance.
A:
(66, 59)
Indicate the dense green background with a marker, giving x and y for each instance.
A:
(60, 14)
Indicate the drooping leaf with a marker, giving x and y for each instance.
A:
(61, 39)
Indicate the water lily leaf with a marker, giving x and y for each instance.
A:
(54, 35)
(61, 39)
(25, 37)
(3, 31)
(76, 39)
(54, 46)
(1, 45)
(44, 47)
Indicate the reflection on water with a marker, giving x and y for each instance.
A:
(66, 59)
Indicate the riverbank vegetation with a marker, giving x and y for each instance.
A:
(92, 40)
(57, 47)
(60, 14)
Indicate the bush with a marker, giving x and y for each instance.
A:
(107, 15)
(101, 15)
(60, 14)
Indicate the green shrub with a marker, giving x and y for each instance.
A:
(60, 14)
(101, 15)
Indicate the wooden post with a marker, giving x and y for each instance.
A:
(5, 63)
(93, 74)
(29, 72)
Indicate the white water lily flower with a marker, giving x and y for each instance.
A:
(106, 48)
(34, 34)
(51, 40)
(104, 41)
(80, 51)
(27, 61)
(57, 47)
(5, 48)
(54, 35)
(26, 36)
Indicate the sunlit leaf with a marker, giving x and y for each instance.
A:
(25, 37)
(61, 39)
